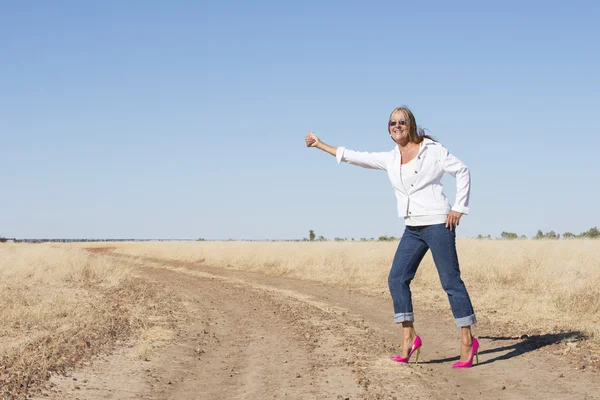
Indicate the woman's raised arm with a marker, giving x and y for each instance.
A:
(360, 158)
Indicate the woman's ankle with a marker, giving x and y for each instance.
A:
(466, 337)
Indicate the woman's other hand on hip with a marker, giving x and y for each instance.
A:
(453, 219)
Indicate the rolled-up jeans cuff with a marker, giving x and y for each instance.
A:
(465, 321)
(402, 317)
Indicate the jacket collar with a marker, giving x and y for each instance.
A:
(426, 142)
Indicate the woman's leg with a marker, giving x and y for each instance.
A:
(442, 242)
(408, 256)
(466, 343)
(408, 337)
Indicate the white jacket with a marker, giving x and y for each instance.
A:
(425, 196)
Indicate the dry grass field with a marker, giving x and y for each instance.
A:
(545, 285)
(209, 303)
(61, 306)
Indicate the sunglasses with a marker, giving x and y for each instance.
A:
(402, 122)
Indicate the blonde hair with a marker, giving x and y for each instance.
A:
(416, 134)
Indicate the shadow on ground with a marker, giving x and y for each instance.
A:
(524, 344)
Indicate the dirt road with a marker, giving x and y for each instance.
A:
(251, 336)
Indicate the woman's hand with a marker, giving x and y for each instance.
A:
(311, 140)
(453, 219)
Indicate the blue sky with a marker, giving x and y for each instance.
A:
(186, 119)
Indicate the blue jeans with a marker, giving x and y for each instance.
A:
(415, 242)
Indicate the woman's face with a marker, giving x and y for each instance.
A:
(399, 126)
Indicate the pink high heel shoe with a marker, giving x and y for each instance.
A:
(415, 347)
(469, 363)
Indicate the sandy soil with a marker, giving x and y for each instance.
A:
(251, 336)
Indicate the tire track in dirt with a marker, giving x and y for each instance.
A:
(290, 346)
(252, 336)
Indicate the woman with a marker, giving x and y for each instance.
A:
(415, 167)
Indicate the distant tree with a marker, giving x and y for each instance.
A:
(201, 240)
(523, 237)
(321, 238)
(337, 239)
(551, 235)
(591, 234)
(539, 235)
(363, 239)
(509, 235)
(568, 235)
(386, 238)
(311, 235)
